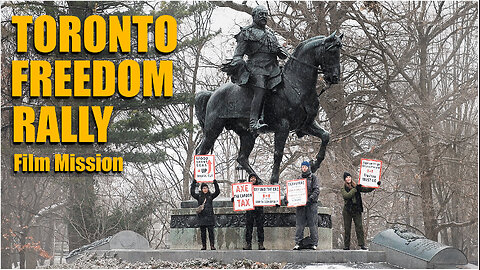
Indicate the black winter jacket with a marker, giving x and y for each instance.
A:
(206, 217)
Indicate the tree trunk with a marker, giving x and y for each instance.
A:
(6, 255)
(82, 226)
(21, 253)
(428, 211)
(30, 259)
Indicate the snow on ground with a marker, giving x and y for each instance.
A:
(341, 266)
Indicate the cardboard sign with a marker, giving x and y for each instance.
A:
(242, 196)
(204, 168)
(297, 192)
(268, 195)
(370, 172)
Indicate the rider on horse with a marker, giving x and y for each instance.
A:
(261, 71)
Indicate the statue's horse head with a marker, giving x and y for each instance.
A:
(323, 52)
(330, 58)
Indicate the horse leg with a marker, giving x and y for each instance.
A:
(247, 141)
(315, 130)
(210, 133)
(281, 136)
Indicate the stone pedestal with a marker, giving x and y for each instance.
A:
(279, 227)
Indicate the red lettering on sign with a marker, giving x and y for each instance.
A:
(242, 189)
(243, 203)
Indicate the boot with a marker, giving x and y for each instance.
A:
(212, 247)
(260, 246)
(247, 246)
(204, 247)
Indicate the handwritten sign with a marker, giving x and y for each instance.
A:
(268, 195)
(370, 172)
(242, 196)
(204, 168)
(297, 192)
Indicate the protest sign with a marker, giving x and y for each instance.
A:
(204, 168)
(268, 195)
(297, 192)
(242, 196)
(370, 172)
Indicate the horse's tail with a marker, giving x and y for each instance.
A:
(201, 100)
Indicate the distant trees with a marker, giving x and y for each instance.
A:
(408, 96)
(418, 57)
(96, 206)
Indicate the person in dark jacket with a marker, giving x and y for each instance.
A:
(206, 218)
(254, 216)
(353, 209)
(308, 215)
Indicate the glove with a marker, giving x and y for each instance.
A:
(194, 180)
(310, 199)
(379, 183)
(231, 199)
(359, 185)
(215, 181)
(277, 205)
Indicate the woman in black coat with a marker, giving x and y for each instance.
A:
(206, 218)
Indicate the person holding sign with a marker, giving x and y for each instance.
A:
(205, 216)
(254, 216)
(353, 209)
(308, 215)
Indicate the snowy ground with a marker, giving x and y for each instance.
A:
(92, 261)
(341, 266)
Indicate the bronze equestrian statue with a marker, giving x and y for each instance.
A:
(291, 106)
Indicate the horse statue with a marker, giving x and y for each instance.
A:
(291, 107)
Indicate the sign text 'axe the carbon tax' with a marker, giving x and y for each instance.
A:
(242, 196)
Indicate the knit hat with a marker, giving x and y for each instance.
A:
(252, 174)
(203, 185)
(345, 175)
(306, 163)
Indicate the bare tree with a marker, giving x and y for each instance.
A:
(413, 48)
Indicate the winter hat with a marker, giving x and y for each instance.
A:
(345, 175)
(252, 174)
(203, 185)
(306, 164)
